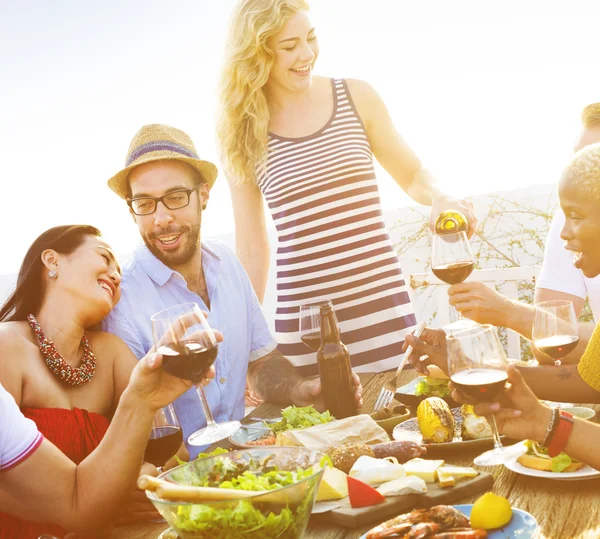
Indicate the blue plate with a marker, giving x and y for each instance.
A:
(241, 437)
(521, 526)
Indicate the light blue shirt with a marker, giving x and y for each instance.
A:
(149, 286)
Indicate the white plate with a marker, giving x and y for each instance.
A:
(583, 473)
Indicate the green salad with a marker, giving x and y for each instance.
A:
(300, 418)
(242, 518)
(432, 387)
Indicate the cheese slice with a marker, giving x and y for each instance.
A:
(376, 471)
(404, 485)
(425, 469)
(445, 480)
(458, 471)
(333, 486)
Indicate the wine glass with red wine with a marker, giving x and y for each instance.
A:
(452, 261)
(189, 347)
(477, 367)
(310, 324)
(165, 439)
(555, 330)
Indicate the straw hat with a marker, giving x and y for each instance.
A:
(156, 142)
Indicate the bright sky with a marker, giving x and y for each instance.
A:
(487, 93)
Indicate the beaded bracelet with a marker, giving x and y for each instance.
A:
(551, 426)
(561, 435)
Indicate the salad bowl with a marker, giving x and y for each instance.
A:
(285, 481)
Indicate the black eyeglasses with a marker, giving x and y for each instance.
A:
(173, 201)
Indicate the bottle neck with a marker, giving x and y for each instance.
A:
(330, 332)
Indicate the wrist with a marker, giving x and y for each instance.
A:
(424, 188)
(296, 392)
(543, 421)
(132, 403)
(299, 394)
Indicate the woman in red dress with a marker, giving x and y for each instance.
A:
(65, 377)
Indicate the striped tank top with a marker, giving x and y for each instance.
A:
(332, 243)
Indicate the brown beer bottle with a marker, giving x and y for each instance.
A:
(335, 370)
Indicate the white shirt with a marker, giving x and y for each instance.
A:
(558, 272)
(19, 436)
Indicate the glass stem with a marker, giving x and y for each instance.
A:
(495, 434)
(209, 418)
(458, 314)
(558, 362)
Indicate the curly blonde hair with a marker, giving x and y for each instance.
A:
(584, 170)
(243, 124)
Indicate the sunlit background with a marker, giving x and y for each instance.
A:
(487, 93)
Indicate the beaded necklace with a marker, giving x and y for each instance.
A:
(70, 375)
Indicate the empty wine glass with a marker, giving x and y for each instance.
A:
(452, 261)
(310, 324)
(189, 347)
(477, 367)
(555, 330)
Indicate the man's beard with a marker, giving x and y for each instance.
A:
(181, 255)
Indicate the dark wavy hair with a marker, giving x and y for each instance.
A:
(28, 294)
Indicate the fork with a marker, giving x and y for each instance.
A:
(386, 395)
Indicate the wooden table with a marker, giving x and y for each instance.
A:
(563, 509)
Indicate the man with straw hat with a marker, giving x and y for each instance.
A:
(167, 187)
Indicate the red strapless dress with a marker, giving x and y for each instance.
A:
(76, 433)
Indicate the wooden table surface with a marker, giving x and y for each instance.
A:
(563, 509)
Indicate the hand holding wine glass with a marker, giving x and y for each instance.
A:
(477, 368)
(189, 347)
(555, 330)
(518, 412)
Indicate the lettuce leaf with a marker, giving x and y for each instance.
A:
(300, 418)
(242, 519)
(423, 389)
(560, 462)
(217, 451)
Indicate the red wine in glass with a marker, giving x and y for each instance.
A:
(453, 273)
(187, 359)
(164, 442)
(312, 340)
(555, 330)
(477, 366)
(188, 346)
(557, 346)
(480, 383)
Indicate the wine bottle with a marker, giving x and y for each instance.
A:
(451, 222)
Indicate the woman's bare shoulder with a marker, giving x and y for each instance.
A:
(15, 334)
(361, 91)
(16, 350)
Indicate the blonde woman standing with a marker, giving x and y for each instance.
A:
(305, 144)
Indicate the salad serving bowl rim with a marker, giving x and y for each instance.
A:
(152, 496)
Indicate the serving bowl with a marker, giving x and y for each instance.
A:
(583, 412)
(282, 512)
(397, 414)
